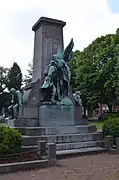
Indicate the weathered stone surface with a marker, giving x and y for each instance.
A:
(108, 142)
(51, 153)
(29, 112)
(37, 131)
(2, 119)
(117, 145)
(64, 138)
(88, 150)
(78, 116)
(69, 138)
(11, 123)
(10, 167)
(56, 115)
(41, 147)
(26, 122)
(48, 38)
(31, 93)
(59, 115)
(78, 145)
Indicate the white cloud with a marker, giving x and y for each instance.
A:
(86, 20)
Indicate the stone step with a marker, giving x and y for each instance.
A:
(28, 148)
(67, 138)
(79, 145)
(30, 122)
(65, 148)
(37, 131)
(64, 138)
(26, 122)
(81, 151)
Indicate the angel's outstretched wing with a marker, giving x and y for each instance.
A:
(67, 55)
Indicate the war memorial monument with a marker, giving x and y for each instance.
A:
(49, 110)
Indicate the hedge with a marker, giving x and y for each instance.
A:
(110, 116)
(111, 127)
(10, 141)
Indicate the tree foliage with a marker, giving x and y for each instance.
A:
(10, 141)
(3, 78)
(28, 77)
(15, 77)
(96, 71)
(3, 87)
(73, 66)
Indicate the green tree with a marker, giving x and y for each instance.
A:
(3, 78)
(3, 86)
(5, 99)
(96, 72)
(28, 77)
(15, 77)
(73, 67)
(116, 43)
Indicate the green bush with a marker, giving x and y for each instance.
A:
(110, 116)
(10, 141)
(111, 127)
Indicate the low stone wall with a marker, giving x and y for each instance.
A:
(50, 159)
(10, 167)
(108, 143)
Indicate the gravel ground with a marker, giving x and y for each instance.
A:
(92, 167)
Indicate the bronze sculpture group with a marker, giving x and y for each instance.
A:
(57, 76)
(55, 87)
(16, 102)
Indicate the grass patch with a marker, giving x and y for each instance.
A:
(98, 124)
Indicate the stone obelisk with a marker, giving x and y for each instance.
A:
(48, 38)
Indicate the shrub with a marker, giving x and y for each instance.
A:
(111, 127)
(110, 116)
(10, 141)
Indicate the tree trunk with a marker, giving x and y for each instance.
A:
(110, 107)
(84, 111)
(114, 105)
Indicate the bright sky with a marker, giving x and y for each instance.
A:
(86, 20)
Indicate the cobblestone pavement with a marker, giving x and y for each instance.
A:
(91, 167)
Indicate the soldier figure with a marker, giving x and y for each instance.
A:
(16, 102)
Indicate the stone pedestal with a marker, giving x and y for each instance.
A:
(58, 115)
(50, 116)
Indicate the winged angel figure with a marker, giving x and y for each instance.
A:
(57, 75)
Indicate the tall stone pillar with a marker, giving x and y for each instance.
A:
(48, 38)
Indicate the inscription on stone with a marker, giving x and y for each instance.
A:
(56, 115)
(50, 48)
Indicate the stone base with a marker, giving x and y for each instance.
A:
(49, 115)
(29, 112)
(58, 115)
(60, 124)
(65, 137)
